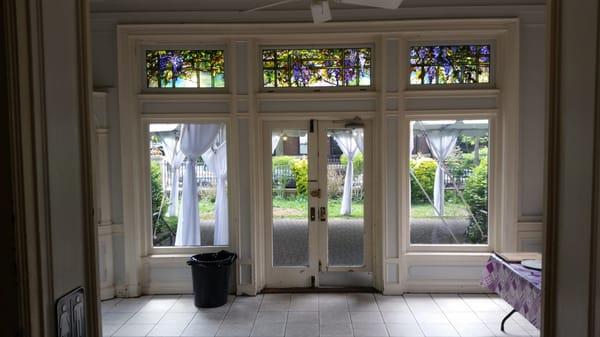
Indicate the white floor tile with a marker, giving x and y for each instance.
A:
(179, 318)
(208, 317)
(398, 317)
(134, 330)
(451, 303)
(116, 317)
(268, 329)
(463, 317)
(479, 303)
(275, 306)
(431, 318)
(404, 330)
(240, 317)
(473, 330)
(336, 329)
(234, 330)
(201, 330)
(369, 329)
(302, 330)
(146, 318)
(303, 317)
(439, 330)
(366, 317)
(167, 330)
(332, 317)
(109, 329)
(271, 317)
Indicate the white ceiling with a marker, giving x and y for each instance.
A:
(242, 5)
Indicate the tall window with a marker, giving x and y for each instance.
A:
(316, 67)
(456, 64)
(188, 178)
(449, 181)
(185, 69)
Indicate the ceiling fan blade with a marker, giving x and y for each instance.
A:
(387, 4)
(320, 11)
(268, 6)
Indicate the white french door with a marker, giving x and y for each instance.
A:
(317, 203)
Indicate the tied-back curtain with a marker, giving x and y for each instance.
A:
(275, 137)
(359, 138)
(216, 160)
(441, 144)
(348, 146)
(174, 198)
(169, 144)
(196, 139)
(411, 140)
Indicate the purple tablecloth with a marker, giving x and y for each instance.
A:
(519, 286)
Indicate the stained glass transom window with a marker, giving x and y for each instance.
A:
(185, 69)
(456, 64)
(322, 67)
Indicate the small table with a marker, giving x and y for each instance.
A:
(521, 287)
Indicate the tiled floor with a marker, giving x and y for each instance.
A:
(314, 315)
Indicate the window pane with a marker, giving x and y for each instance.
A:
(449, 182)
(289, 197)
(185, 69)
(457, 64)
(188, 179)
(323, 67)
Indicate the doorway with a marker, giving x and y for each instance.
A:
(318, 231)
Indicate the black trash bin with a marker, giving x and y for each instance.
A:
(210, 274)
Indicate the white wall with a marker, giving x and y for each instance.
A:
(531, 88)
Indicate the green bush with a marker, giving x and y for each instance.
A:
(300, 172)
(476, 196)
(358, 162)
(424, 170)
(283, 161)
(164, 227)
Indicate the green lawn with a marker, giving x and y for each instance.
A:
(297, 208)
(427, 211)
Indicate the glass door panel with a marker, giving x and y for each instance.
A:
(289, 177)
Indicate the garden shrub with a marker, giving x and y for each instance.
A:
(424, 170)
(358, 162)
(162, 229)
(300, 172)
(283, 161)
(476, 196)
(335, 183)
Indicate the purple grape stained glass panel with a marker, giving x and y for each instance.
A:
(185, 68)
(316, 67)
(451, 64)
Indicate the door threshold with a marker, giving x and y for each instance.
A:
(320, 290)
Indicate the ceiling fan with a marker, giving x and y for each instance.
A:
(321, 12)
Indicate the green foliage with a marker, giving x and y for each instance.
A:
(283, 161)
(163, 226)
(424, 170)
(476, 195)
(300, 171)
(358, 162)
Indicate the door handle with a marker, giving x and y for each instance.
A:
(313, 215)
(323, 213)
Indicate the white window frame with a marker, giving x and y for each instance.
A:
(147, 209)
(493, 172)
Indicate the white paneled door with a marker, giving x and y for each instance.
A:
(317, 210)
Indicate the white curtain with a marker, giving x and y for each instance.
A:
(196, 139)
(174, 198)
(348, 146)
(411, 141)
(359, 138)
(216, 160)
(441, 144)
(170, 144)
(275, 137)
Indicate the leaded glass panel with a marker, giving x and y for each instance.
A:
(453, 64)
(185, 69)
(317, 67)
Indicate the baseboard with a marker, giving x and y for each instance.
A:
(107, 293)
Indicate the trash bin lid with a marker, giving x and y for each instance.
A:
(220, 258)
